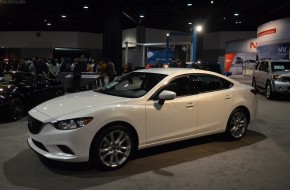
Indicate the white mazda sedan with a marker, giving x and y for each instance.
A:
(142, 109)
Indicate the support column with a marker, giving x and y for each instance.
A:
(112, 36)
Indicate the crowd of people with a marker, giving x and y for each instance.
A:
(50, 68)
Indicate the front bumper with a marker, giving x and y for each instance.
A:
(62, 145)
(281, 87)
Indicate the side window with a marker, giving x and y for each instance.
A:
(209, 83)
(182, 86)
(261, 68)
(266, 66)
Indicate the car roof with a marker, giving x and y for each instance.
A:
(177, 71)
(170, 71)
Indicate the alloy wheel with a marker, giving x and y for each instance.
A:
(238, 124)
(115, 148)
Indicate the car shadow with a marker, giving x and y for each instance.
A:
(27, 170)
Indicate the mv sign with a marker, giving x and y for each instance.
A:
(282, 49)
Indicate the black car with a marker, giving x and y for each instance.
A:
(21, 91)
(211, 66)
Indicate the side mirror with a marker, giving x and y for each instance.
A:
(166, 95)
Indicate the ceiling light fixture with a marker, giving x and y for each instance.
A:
(211, 2)
(198, 28)
(141, 16)
(63, 16)
(236, 14)
(48, 24)
(85, 7)
(190, 23)
(189, 4)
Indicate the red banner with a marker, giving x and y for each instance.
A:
(229, 61)
(266, 32)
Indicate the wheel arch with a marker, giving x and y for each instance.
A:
(114, 123)
(270, 82)
(12, 97)
(246, 111)
(19, 96)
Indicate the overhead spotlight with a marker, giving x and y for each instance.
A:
(85, 7)
(45, 20)
(198, 28)
(236, 14)
(190, 23)
(189, 4)
(141, 16)
(48, 24)
(63, 16)
(211, 2)
(224, 18)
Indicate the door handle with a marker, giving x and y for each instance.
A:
(189, 105)
(228, 97)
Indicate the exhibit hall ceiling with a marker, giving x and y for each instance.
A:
(173, 15)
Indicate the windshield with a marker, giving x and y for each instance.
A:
(133, 85)
(280, 66)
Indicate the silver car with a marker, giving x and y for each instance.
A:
(272, 76)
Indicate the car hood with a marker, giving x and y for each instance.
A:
(76, 102)
(283, 73)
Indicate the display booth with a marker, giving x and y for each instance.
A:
(274, 39)
(87, 79)
(241, 56)
(162, 53)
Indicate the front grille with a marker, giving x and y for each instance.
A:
(34, 125)
(39, 145)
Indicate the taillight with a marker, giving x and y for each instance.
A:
(254, 91)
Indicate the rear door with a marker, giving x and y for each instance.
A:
(215, 103)
(262, 74)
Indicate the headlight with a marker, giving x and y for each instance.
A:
(277, 78)
(72, 123)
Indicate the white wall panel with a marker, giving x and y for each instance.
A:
(129, 35)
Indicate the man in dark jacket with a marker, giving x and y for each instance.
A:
(41, 67)
(80, 67)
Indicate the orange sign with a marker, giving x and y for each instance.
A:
(229, 61)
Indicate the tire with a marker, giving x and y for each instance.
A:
(268, 91)
(237, 124)
(254, 84)
(112, 148)
(15, 109)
